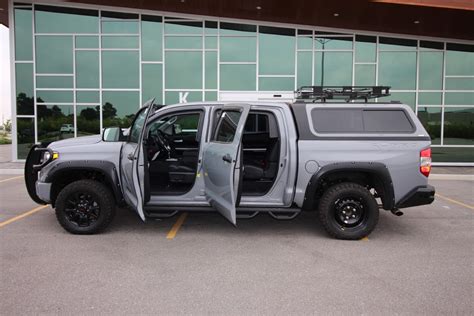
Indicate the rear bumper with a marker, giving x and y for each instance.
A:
(419, 196)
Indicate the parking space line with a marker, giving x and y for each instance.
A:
(455, 202)
(5, 180)
(174, 230)
(16, 218)
(365, 238)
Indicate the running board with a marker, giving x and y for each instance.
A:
(281, 213)
(284, 215)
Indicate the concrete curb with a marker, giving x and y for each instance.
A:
(460, 177)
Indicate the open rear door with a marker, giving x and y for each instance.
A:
(221, 160)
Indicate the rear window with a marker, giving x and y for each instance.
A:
(361, 121)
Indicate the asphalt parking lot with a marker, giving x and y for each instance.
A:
(420, 263)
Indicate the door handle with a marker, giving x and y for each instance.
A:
(227, 158)
(130, 156)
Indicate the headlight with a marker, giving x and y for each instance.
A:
(46, 156)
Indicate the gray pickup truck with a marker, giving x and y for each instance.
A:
(344, 159)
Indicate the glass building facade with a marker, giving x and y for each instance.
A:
(78, 70)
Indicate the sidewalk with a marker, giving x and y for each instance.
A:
(437, 173)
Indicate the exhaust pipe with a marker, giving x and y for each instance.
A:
(396, 212)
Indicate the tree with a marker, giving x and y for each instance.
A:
(108, 111)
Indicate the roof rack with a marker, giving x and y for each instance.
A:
(347, 93)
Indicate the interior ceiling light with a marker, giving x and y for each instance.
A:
(258, 7)
(336, 14)
(416, 22)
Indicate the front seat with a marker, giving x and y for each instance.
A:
(269, 169)
(184, 170)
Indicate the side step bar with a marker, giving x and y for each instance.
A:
(242, 212)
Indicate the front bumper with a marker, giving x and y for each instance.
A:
(43, 191)
(419, 196)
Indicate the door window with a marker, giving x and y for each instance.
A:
(137, 125)
(227, 126)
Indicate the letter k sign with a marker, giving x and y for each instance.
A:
(183, 97)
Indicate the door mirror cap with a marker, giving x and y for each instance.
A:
(113, 134)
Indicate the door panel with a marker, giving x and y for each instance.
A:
(132, 162)
(221, 161)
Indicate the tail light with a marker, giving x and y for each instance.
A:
(425, 161)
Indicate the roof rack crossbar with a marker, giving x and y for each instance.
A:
(347, 93)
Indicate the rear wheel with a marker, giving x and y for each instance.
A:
(85, 207)
(348, 211)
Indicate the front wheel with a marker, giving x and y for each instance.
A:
(348, 211)
(85, 207)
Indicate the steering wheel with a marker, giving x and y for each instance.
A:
(162, 141)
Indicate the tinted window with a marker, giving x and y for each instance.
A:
(387, 121)
(361, 121)
(337, 120)
(227, 126)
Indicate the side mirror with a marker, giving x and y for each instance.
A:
(177, 129)
(113, 134)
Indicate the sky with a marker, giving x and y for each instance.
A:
(5, 93)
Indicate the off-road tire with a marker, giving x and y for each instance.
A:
(330, 206)
(101, 195)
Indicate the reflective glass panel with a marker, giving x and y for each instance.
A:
(173, 97)
(333, 68)
(54, 82)
(183, 70)
(238, 49)
(210, 96)
(276, 51)
(87, 41)
(276, 84)
(210, 27)
(119, 108)
(87, 69)
(450, 154)
(120, 69)
(23, 34)
(49, 19)
(431, 70)
(430, 98)
(183, 27)
(24, 89)
(119, 23)
(192, 42)
(120, 42)
(88, 97)
(304, 71)
(50, 96)
(211, 42)
(389, 43)
(88, 120)
(55, 122)
(460, 60)
(237, 29)
(458, 126)
(211, 70)
(365, 49)
(238, 77)
(325, 43)
(459, 98)
(54, 54)
(431, 45)
(364, 75)
(431, 120)
(152, 82)
(305, 39)
(407, 98)
(460, 83)
(398, 70)
(152, 30)
(25, 136)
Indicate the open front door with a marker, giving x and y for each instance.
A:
(133, 162)
(221, 160)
